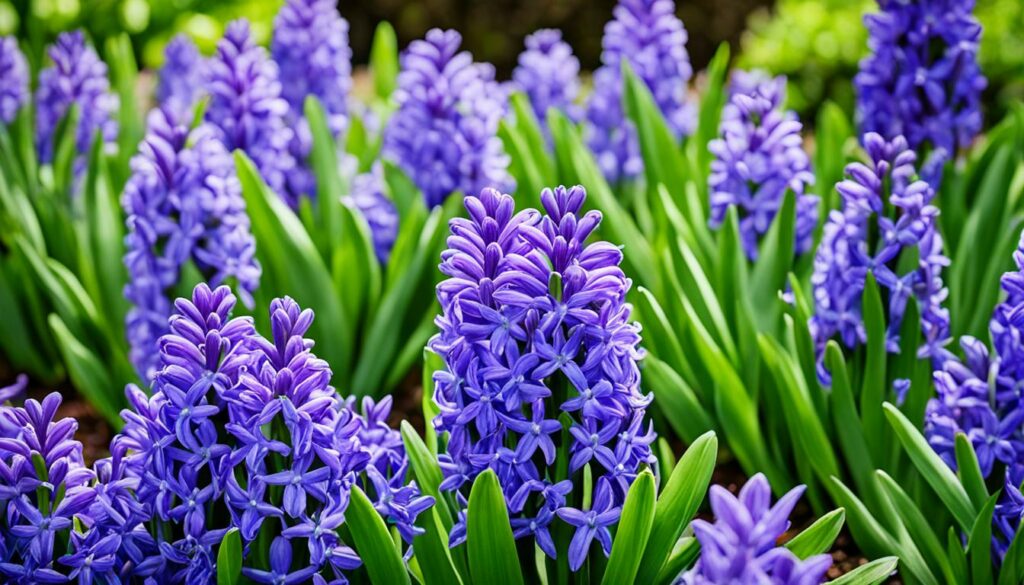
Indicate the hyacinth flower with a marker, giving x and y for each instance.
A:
(310, 47)
(741, 546)
(922, 79)
(245, 432)
(444, 133)
(534, 328)
(14, 71)
(184, 210)
(76, 76)
(549, 74)
(980, 398)
(51, 531)
(180, 79)
(648, 35)
(886, 216)
(758, 158)
(246, 108)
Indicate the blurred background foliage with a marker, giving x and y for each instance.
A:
(817, 43)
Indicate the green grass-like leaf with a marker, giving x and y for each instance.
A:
(632, 532)
(872, 573)
(373, 542)
(818, 537)
(492, 550)
(229, 559)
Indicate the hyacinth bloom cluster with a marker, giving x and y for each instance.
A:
(246, 107)
(180, 78)
(246, 432)
(76, 76)
(444, 134)
(14, 72)
(741, 546)
(534, 327)
(53, 528)
(648, 35)
(184, 205)
(310, 47)
(883, 199)
(759, 157)
(377, 209)
(922, 79)
(980, 397)
(549, 74)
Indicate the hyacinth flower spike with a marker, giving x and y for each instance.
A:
(14, 71)
(548, 73)
(534, 328)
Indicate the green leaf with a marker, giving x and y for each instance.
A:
(292, 263)
(330, 187)
(678, 503)
(87, 373)
(776, 258)
(979, 546)
(917, 525)
(874, 389)
(832, 132)
(432, 552)
(1012, 571)
(969, 471)
(676, 400)
(873, 573)
(683, 556)
(384, 61)
(934, 470)
(957, 556)
(373, 542)
(492, 550)
(633, 531)
(425, 468)
(710, 115)
(124, 71)
(229, 559)
(818, 537)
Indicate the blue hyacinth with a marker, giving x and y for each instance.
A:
(648, 35)
(535, 326)
(310, 47)
(75, 76)
(886, 213)
(548, 73)
(184, 207)
(243, 431)
(980, 397)
(246, 107)
(14, 71)
(759, 157)
(444, 134)
(741, 546)
(180, 78)
(922, 79)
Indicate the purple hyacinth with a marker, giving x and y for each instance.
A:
(45, 488)
(922, 79)
(741, 545)
(184, 206)
(181, 78)
(535, 326)
(758, 158)
(980, 397)
(549, 74)
(881, 198)
(648, 35)
(243, 431)
(14, 72)
(247, 109)
(75, 76)
(377, 209)
(444, 134)
(310, 46)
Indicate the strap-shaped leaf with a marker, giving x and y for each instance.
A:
(633, 531)
(818, 537)
(969, 471)
(87, 372)
(934, 470)
(373, 542)
(872, 573)
(384, 61)
(432, 551)
(979, 546)
(229, 559)
(425, 468)
(678, 503)
(492, 550)
(676, 400)
(916, 524)
(873, 390)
